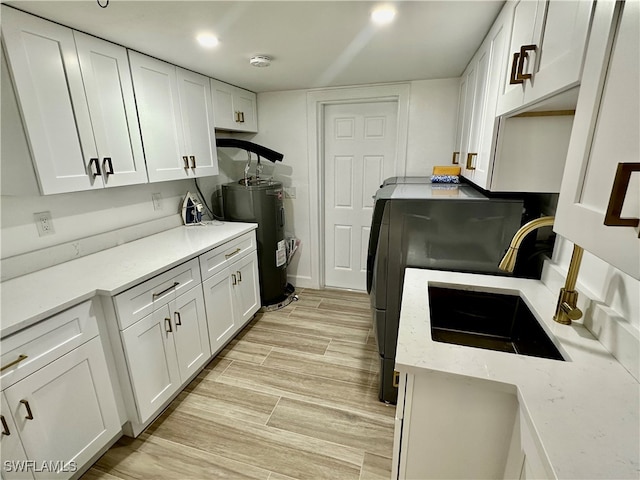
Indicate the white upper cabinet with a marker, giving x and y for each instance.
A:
(235, 108)
(602, 174)
(76, 105)
(176, 119)
(547, 43)
(196, 106)
(107, 83)
(524, 153)
(491, 65)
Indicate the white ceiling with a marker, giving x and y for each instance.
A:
(313, 43)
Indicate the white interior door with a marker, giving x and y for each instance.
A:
(360, 141)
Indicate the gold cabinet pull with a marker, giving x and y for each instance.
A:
(234, 280)
(178, 319)
(454, 159)
(396, 378)
(523, 54)
(237, 114)
(239, 276)
(241, 117)
(513, 78)
(620, 186)
(185, 159)
(229, 255)
(167, 325)
(470, 165)
(15, 362)
(193, 161)
(5, 427)
(156, 295)
(28, 407)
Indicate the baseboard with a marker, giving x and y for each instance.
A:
(612, 330)
(299, 281)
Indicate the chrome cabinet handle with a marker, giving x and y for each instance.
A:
(167, 325)
(28, 407)
(620, 186)
(107, 166)
(5, 427)
(156, 295)
(95, 171)
(454, 159)
(234, 280)
(177, 319)
(15, 362)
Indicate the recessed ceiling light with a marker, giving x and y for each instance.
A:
(207, 40)
(383, 15)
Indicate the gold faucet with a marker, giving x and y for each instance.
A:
(508, 263)
(566, 309)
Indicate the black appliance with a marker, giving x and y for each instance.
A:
(437, 226)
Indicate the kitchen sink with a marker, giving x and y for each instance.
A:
(492, 321)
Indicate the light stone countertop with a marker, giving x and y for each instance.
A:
(30, 298)
(585, 411)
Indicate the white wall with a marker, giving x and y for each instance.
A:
(609, 299)
(282, 124)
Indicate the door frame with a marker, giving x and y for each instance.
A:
(316, 102)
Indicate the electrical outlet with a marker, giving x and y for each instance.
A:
(44, 223)
(156, 198)
(290, 192)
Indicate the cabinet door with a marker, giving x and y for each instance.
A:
(223, 105)
(156, 88)
(48, 84)
(523, 25)
(107, 82)
(462, 92)
(198, 122)
(561, 44)
(13, 454)
(190, 332)
(605, 133)
(245, 103)
(219, 301)
(470, 86)
(495, 50)
(481, 70)
(72, 408)
(151, 357)
(247, 288)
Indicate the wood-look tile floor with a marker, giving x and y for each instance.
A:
(293, 396)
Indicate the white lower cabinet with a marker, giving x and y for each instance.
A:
(449, 426)
(231, 296)
(60, 416)
(164, 349)
(11, 445)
